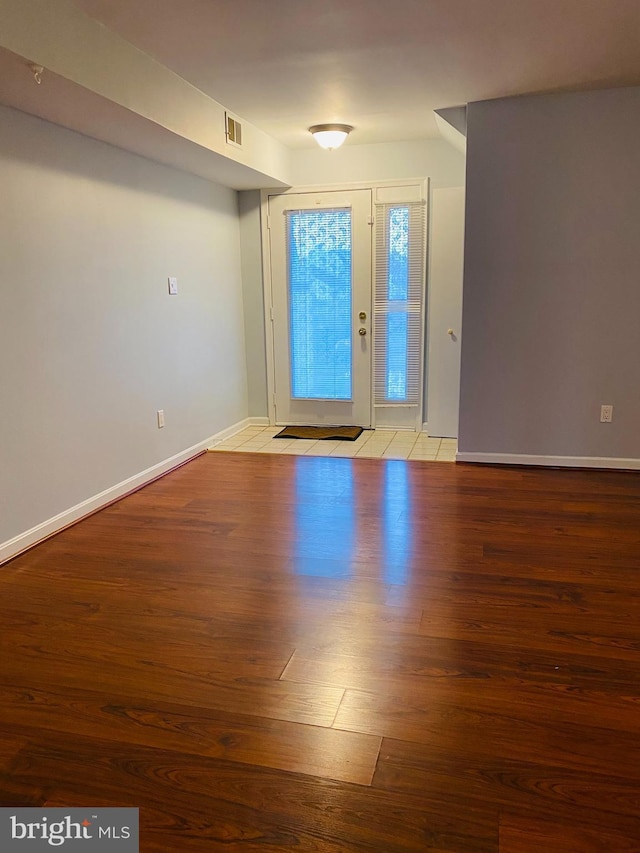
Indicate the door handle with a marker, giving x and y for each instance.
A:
(362, 331)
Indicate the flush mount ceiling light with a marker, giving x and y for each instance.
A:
(330, 136)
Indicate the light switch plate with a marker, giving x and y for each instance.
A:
(173, 285)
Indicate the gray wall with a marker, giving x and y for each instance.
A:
(253, 296)
(552, 276)
(91, 344)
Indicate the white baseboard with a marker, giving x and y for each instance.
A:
(236, 428)
(550, 461)
(12, 547)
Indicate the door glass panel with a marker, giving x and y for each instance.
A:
(397, 355)
(397, 294)
(319, 290)
(398, 253)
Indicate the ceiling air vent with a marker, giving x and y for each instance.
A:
(234, 130)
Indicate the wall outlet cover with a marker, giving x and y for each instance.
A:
(606, 414)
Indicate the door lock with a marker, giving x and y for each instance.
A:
(362, 315)
(362, 331)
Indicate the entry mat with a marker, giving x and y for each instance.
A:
(315, 433)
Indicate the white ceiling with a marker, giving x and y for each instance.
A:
(380, 65)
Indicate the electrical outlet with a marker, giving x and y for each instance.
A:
(606, 414)
(173, 285)
(160, 414)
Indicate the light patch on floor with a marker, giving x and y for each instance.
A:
(372, 444)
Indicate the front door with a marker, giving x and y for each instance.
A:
(321, 255)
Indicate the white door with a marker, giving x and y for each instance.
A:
(320, 253)
(445, 310)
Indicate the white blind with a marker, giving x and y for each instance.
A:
(398, 302)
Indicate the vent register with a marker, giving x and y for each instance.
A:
(233, 130)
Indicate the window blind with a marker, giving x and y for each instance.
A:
(398, 302)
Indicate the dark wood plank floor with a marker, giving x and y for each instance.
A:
(277, 653)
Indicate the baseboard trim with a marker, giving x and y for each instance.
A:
(550, 461)
(236, 428)
(23, 541)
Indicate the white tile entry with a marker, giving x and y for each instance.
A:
(372, 444)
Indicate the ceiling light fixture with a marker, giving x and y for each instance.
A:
(330, 136)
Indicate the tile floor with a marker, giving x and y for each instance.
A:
(372, 444)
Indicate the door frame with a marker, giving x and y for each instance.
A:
(267, 282)
(355, 411)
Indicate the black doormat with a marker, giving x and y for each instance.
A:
(337, 433)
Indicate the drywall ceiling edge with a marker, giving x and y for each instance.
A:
(73, 47)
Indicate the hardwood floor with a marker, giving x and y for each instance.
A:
(326, 655)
